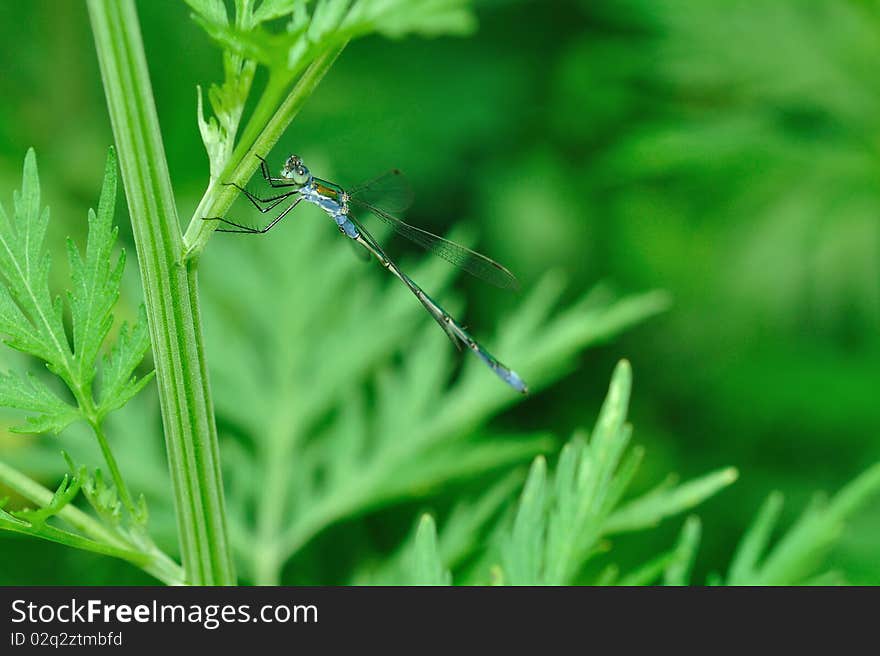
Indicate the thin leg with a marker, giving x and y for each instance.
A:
(255, 200)
(274, 182)
(248, 230)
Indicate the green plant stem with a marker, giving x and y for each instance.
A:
(171, 295)
(110, 459)
(262, 132)
(153, 560)
(124, 494)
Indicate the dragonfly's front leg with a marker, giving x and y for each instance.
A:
(273, 182)
(256, 200)
(249, 230)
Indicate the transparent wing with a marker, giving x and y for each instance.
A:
(390, 190)
(474, 263)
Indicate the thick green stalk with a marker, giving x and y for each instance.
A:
(170, 289)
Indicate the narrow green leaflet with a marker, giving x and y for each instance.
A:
(28, 313)
(118, 381)
(396, 18)
(95, 280)
(523, 553)
(562, 517)
(213, 11)
(746, 560)
(427, 566)
(65, 493)
(797, 555)
(272, 9)
(678, 570)
(665, 501)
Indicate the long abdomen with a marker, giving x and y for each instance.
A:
(459, 336)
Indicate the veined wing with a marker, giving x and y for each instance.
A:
(389, 190)
(468, 260)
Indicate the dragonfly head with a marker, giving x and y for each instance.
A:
(295, 170)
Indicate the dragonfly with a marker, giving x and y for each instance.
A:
(390, 190)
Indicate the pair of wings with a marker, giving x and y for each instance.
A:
(389, 194)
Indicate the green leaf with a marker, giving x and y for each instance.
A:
(797, 555)
(461, 461)
(20, 333)
(95, 280)
(91, 535)
(396, 18)
(559, 526)
(743, 567)
(522, 555)
(427, 567)
(66, 492)
(212, 11)
(649, 572)
(326, 17)
(103, 497)
(50, 413)
(678, 570)
(461, 537)
(272, 9)
(24, 265)
(118, 381)
(34, 523)
(32, 318)
(651, 508)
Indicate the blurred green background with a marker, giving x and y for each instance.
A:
(728, 152)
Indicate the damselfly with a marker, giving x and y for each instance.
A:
(391, 191)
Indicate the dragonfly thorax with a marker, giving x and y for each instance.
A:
(334, 205)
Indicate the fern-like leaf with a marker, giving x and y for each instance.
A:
(31, 318)
(95, 280)
(46, 411)
(118, 381)
(562, 518)
(24, 265)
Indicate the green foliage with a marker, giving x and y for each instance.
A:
(47, 412)
(681, 560)
(797, 555)
(560, 522)
(393, 433)
(65, 493)
(32, 318)
(425, 564)
(717, 150)
(118, 386)
(308, 34)
(33, 321)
